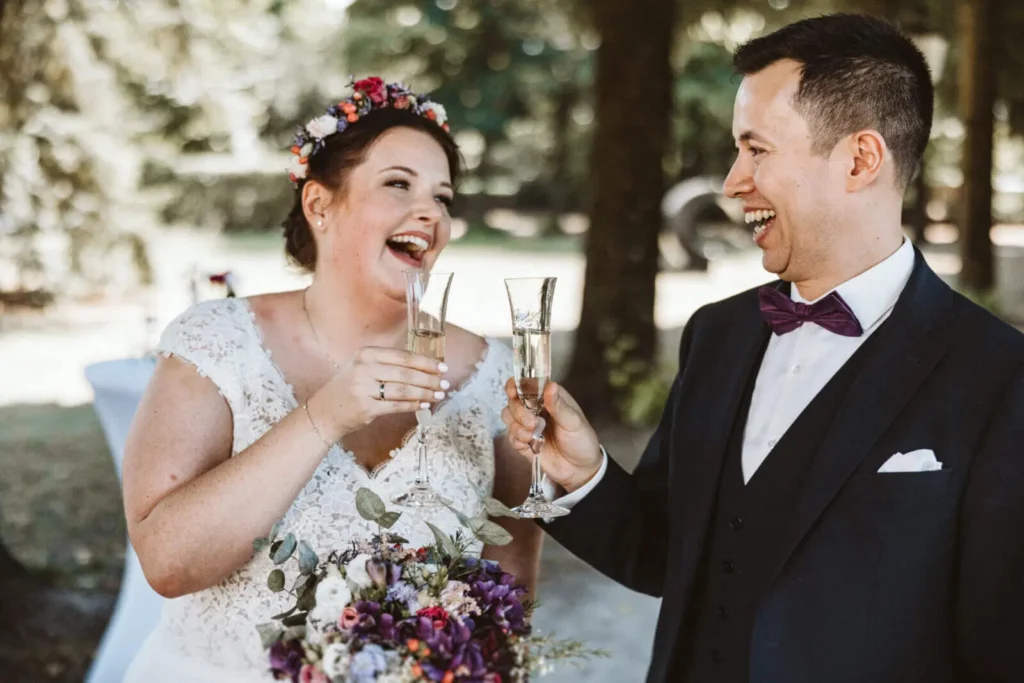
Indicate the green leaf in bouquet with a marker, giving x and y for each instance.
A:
(275, 581)
(307, 600)
(259, 544)
(298, 619)
(488, 532)
(395, 538)
(288, 546)
(308, 560)
(495, 508)
(274, 531)
(301, 581)
(444, 541)
(369, 505)
(463, 519)
(269, 634)
(286, 613)
(388, 519)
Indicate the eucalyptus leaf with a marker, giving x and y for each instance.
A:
(288, 546)
(274, 546)
(308, 560)
(269, 633)
(274, 531)
(388, 519)
(259, 544)
(300, 583)
(275, 581)
(282, 615)
(298, 619)
(306, 601)
(463, 519)
(395, 538)
(488, 532)
(444, 541)
(495, 508)
(369, 505)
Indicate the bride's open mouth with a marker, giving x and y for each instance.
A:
(409, 247)
(762, 221)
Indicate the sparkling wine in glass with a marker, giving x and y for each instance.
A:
(426, 306)
(530, 302)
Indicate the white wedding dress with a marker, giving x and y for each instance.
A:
(211, 635)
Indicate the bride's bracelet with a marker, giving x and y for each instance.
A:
(305, 407)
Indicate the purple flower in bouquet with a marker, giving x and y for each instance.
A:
(500, 600)
(404, 594)
(367, 664)
(286, 658)
(374, 623)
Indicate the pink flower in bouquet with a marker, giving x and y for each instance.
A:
(310, 674)
(349, 618)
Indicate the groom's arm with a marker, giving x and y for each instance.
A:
(620, 527)
(989, 627)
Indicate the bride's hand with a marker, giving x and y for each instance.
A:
(353, 397)
(571, 454)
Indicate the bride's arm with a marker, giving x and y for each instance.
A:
(511, 484)
(192, 510)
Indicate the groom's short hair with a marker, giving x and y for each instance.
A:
(859, 72)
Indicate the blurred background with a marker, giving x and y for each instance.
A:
(142, 153)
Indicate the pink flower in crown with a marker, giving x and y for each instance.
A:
(310, 674)
(374, 89)
(401, 102)
(348, 619)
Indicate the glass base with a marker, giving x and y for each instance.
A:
(421, 497)
(538, 508)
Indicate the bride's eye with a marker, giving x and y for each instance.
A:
(400, 184)
(447, 201)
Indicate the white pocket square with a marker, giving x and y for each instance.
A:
(921, 460)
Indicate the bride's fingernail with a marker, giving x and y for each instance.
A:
(442, 367)
(438, 395)
(445, 384)
(424, 406)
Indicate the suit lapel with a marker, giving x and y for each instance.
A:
(725, 380)
(890, 376)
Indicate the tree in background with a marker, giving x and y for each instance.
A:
(616, 339)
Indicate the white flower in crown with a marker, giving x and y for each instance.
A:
(296, 168)
(440, 115)
(322, 126)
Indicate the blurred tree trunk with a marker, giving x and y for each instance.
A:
(919, 211)
(616, 338)
(559, 191)
(977, 99)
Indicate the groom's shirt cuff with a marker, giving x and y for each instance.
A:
(569, 500)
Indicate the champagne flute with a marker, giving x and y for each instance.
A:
(426, 297)
(530, 303)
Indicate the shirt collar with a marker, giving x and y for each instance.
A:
(874, 292)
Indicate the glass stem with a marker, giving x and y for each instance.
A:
(536, 444)
(422, 476)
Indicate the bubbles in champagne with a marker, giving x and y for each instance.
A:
(426, 343)
(532, 360)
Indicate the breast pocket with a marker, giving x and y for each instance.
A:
(897, 486)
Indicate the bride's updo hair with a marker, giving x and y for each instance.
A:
(341, 152)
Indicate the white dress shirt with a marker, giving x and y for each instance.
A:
(797, 365)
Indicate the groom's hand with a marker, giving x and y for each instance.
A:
(571, 454)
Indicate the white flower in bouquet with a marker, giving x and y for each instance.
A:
(455, 601)
(336, 661)
(332, 596)
(357, 573)
(322, 126)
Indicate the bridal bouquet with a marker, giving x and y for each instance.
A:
(381, 611)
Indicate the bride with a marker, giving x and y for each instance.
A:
(282, 406)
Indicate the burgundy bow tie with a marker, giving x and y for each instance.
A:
(785, 315)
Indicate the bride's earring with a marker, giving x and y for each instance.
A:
(319, 222)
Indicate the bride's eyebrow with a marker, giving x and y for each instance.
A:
(406, 169)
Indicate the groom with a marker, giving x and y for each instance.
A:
(835, 493)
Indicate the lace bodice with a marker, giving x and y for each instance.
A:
(221, 339)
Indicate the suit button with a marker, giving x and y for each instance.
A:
(723, 613)
(716, 656)
(736, 523)
(728, 567)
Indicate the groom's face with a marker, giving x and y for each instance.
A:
(777, 173)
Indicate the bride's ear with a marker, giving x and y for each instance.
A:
(315, 198)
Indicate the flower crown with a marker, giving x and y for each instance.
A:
(368, 94)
